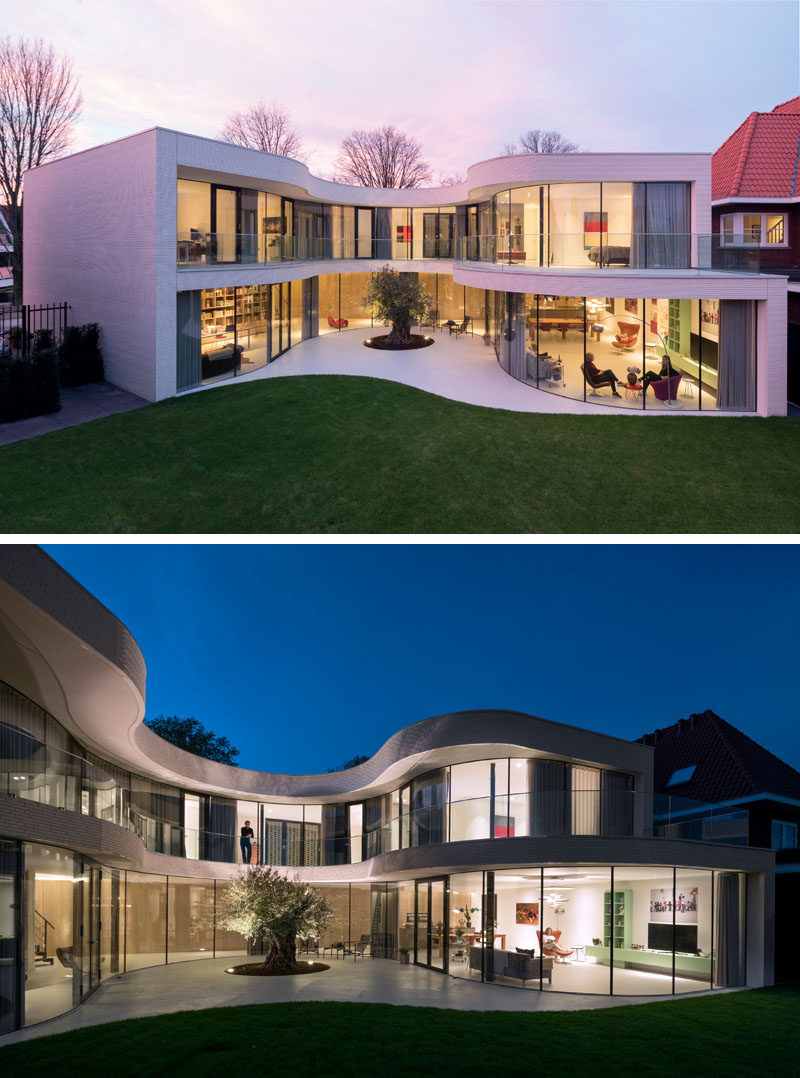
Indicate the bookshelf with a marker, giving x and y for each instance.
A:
(617, 918)
(248, 306)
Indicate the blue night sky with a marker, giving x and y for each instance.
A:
(305, 655)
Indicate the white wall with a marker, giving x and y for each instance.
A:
(90, 240)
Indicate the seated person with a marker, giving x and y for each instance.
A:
(596, 375)
(550, 946)
(667, 371)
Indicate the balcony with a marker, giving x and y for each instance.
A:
(623, 254)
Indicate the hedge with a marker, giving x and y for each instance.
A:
(80, 358)
(29, 385)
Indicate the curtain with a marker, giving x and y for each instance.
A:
(220, 838)
(512, 339)
(11, 984)
(736, 383)
(639, 226)
(585, 800)
(616, 804)
(729, 957)
(429, 797)
(660, 226)
(383, 233)
(189, 364)
(668, 226)
(549, 798)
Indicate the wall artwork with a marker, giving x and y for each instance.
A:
(527, 913)
(685, 903)
(632, 305)
(595, 229)
(709, 318)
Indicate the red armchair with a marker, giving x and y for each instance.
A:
(561, 952)
(337, 323)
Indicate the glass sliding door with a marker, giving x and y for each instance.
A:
(224, 222)
(111, 886)
(432, 924)
(279, 319)
(248, 225)
(364, 223)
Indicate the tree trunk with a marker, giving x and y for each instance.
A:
(280, 956)
(400, 334)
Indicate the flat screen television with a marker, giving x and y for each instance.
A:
(659, 938)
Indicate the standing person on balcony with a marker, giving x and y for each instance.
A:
(247, 850)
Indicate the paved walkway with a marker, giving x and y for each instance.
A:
(192, 986)
(78, 405)
(459, 368)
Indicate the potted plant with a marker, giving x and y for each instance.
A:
(402, 955)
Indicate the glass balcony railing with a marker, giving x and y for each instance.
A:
(537, 251)
(681, 817)
(52, 776)
(224, 249)
(622, 251)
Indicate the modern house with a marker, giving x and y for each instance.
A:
(461, 840)
(755, 190)
(715, 783)
(204, 261)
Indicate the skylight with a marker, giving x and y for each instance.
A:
(682, 774)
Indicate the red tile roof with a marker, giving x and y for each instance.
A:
(761, 157)
(792, 105)
(730, 764)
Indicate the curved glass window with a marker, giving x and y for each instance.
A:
(630, 353)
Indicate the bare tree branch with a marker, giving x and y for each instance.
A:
(449, 179)
(537, 140)
(265, 126)
(39, 104)
(381, 157)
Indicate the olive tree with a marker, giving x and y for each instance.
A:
(399, 299)
(261, 904)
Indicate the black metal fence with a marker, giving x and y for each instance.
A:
(20, 323)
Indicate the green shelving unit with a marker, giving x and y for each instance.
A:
(617, 918)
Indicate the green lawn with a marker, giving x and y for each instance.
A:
(344, 454)
(743, 1033)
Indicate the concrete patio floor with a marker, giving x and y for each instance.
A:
(458, 368)
(197, 985)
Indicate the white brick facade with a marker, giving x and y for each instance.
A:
(100, 231)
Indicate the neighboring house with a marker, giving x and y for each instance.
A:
(460, 840)
(755, 188)
(6, 252)
(203, 260)
(719, 784)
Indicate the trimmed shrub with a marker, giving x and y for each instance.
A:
(43, 340)
(80, 357)
(29, 385)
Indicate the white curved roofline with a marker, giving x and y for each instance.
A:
(198, 156)
(83, 667)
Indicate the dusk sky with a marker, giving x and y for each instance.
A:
(307, 655)
(464, 77)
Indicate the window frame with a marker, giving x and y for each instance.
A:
(778, 838)
(737, 237)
